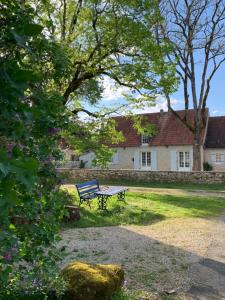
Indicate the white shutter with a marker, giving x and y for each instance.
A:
(173, 160)
(222, 157)
(136, 159)
(115, 157)
(154, 160)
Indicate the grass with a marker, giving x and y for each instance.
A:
(144, 208)
(169, 185)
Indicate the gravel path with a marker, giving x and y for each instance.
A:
(184, 255)
(209, 273)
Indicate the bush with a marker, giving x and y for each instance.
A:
(82, 164)
(207, 166)
(92, 282)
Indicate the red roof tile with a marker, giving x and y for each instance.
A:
(170, 130)
(215, 137)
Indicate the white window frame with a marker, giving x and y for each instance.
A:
(184, 161)
(148, 160)
(217, 158)
(145, 139)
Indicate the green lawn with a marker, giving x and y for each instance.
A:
(143, 208)
(185, 186)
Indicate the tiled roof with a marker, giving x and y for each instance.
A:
(170, 130)
(215, 137)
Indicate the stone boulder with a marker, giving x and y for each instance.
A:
(92, 282)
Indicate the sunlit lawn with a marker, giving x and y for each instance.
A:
(143, 208)
(168, 185)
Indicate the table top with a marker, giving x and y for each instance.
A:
(112, 190)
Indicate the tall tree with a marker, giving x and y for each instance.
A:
(196, 31)
(112, 39)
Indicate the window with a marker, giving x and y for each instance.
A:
(184, 159)
(181, 159)
(146, 159)
(145, 139)
(217, 157)
(187, 159)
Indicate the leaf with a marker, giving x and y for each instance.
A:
(21, 40)
(11, 226)
(4, 274)
(4, 169)
(31, 29)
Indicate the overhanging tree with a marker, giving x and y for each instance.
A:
(112, 39)
(31, 202)
(196, 31)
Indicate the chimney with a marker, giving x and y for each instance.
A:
(161, 112)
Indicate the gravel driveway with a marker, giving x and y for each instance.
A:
(185, 255)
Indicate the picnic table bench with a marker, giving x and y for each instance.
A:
(91, 189)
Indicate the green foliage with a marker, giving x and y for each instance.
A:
(114, 40)
(31, 204)
(82, 164)
(142, 126)
(207, 166)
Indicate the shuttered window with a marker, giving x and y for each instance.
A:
(217, 157)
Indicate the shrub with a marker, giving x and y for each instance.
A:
(207, 166)
(92, 282)
(82, 164)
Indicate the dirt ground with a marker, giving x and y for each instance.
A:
(185, 256)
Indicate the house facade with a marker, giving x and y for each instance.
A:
(171, 148)
(214, 150)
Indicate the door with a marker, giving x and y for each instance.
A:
(146, 160)
(184, 161)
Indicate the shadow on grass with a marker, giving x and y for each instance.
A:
(117, 214)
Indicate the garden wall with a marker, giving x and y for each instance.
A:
(80, 175)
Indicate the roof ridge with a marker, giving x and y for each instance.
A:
(216, 117)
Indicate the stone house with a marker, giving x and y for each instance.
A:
(171, 148)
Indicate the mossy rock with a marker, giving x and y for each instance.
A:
(92, 282)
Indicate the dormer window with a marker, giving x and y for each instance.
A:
(145, 139)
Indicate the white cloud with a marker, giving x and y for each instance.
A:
(115, 94)
(160, 103)
(218, 113)
(112, 92)
(215, 112)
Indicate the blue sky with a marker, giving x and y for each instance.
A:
(216, 101)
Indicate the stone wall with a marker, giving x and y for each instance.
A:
(80, 175)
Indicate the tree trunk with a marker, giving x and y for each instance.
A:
(197, 165)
